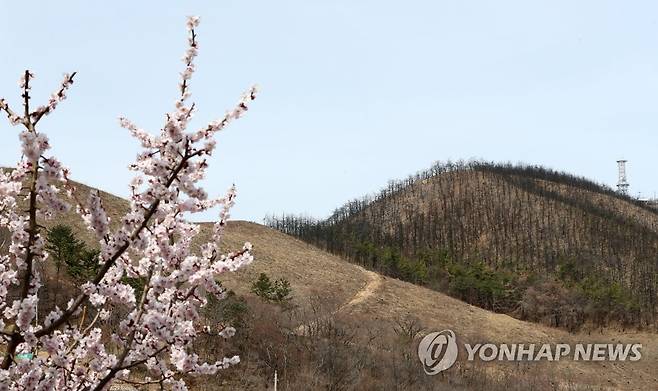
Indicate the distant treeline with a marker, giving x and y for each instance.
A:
(497, 234)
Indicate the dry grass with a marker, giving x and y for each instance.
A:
(311, 272)
(473, 324)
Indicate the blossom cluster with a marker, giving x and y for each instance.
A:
(153, 242)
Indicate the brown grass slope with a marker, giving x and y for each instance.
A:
(366, 299)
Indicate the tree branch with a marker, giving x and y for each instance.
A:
(32, 230)
(108, 264)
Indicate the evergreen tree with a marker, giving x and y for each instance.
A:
(63, 247)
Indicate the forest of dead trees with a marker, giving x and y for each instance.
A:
(539, 244)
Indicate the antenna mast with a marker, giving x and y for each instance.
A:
(622, 184)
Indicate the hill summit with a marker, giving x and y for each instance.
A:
(525, 240)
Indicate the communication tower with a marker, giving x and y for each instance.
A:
(622, 184)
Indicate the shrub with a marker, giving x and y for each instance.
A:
(85, 265)
(62, 245)
(552, 303)
(279, 291)
(478, 284)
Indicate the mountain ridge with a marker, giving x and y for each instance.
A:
(522, 223)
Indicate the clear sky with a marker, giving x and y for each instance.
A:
(354, 93)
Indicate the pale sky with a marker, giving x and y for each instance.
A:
(354, 93)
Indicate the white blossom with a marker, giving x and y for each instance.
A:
(151, 242)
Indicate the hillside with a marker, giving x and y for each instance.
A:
(367, 300)
(521, 227)
(344, 328)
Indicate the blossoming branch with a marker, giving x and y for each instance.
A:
(152, 242)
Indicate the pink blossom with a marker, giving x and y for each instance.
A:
(96, 218)
(152, 241)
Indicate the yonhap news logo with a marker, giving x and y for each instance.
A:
(438, 352)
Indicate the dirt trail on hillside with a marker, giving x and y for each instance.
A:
(375, 282)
